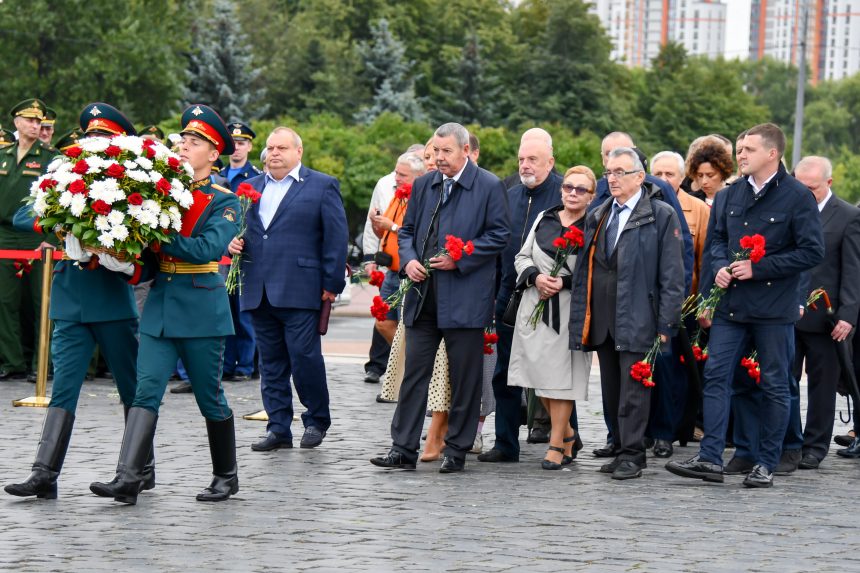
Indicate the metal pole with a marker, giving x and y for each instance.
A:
(801, 89)
(41, 400)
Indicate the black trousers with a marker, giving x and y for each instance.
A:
(465, 347)
(379, 351)
(627, 401)
(823, 372)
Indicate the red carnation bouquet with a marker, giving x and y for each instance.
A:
(454, 248)
(751, 365)
(752, 248)
(643, 370)
(569, 243)
(490, 340)
(403, 192)
(247, 196)
(376, 278)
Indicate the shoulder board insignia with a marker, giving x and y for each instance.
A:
(6, 144)
(219, 188)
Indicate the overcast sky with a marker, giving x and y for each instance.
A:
(737, 28)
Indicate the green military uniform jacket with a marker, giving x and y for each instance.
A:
(15, 181)
(79, 294)
(193, 305)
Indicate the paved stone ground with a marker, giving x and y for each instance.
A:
(329, 509)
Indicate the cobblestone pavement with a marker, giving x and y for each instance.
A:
(328, 509)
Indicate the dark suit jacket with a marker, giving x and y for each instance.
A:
(839, 272)
(303, 251)
(477, 211)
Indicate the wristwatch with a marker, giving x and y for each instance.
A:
(394, 227)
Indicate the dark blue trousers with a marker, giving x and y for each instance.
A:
(239, 351)
(509, 399)
(289, 343)
(728, 343)
(669, 396)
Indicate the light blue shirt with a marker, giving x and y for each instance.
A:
(274, 192)
(623, 214)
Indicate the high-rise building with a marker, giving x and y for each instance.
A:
(832, 38)
(638, 28)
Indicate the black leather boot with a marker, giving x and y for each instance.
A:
(148, 468)
(136, 449)
(56, 432)
(225, 473)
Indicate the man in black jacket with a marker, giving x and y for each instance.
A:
(540, 189)
(816, 337)
(760, 302)
(628, 288)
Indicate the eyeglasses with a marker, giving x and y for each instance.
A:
(619, 173)
(568, 188)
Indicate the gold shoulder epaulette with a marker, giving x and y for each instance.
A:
(221, 189)
(6, 144)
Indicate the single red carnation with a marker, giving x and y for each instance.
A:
(454, 246)
(101, 207)
(469, 248)
(113, 151)
(488, 349)
(490, 338)
(403, 192)
(163, 185)
(115, 170)
(575, 236)
(47, 183)
(560, 243)
(174, 164)
(247, 190)
(148, 151)
(135, 199)
(81, 167)
(74, 151)
(379, 309)
(376, 278)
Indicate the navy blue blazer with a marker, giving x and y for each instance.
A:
(303, 252)
(602, 193)
(786, 214)
(476, 211)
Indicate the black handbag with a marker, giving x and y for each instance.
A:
(509, 318)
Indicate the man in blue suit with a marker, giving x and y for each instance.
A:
(294, 259)
(452, 300)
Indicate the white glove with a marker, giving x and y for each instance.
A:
(115, 265)
(75, 251)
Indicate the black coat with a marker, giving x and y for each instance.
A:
(839, 272)
(786, 215)
(650, 253)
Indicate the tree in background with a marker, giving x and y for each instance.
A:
(220, 68)
(74, 52)
(387, 70)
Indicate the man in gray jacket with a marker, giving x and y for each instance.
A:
(628, 290)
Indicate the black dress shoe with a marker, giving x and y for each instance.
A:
(663, 449)
(738, 466)
(227, 376)
(183, 387)
(239, 378)
(787, 462)
(852, 451)
(844, 440)
(627, 470)
(272, 442)
(371, 377)
(497, 456)
(697, 469)
(451, 465)
(312, 437)
(809, 462)
(538, 436)
(382, 400)
(393, 460)
(648, 443)
(607, 451)
(610, 467)
(759, 477)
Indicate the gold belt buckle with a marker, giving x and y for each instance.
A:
(171, 267)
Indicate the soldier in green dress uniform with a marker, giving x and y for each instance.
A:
(89, 305)
(46, 130)
(21, 163)
(187, 316)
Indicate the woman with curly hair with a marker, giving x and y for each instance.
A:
(709, 165)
